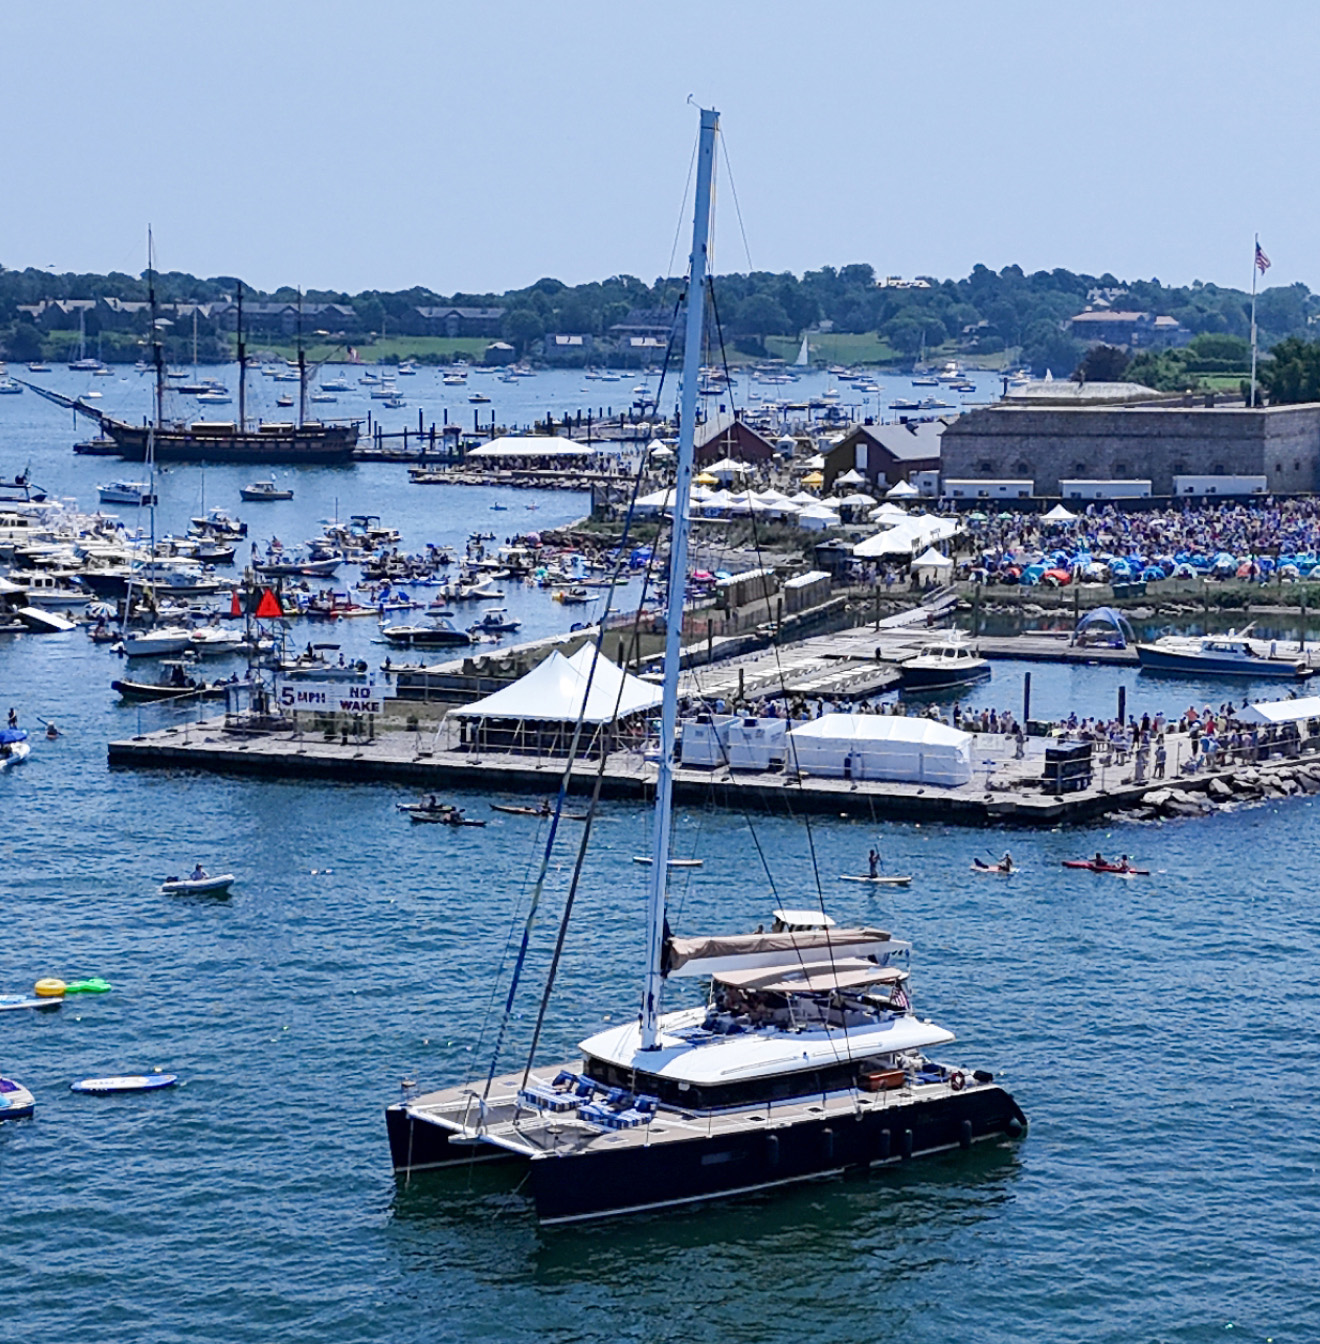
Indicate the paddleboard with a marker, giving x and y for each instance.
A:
(15, 1100)
(202, 886)
(673, 863)
(128, 1082)
(9, 1002)
(881, 880)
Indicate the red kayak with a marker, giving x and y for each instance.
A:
(1091, 866)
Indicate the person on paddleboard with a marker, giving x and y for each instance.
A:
(1006, 863)
(873, 862)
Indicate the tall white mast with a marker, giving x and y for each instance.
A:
(664, 787)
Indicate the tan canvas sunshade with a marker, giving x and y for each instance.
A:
(818, 977)
(685, 950)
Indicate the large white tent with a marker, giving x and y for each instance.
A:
(882, 746)
(908, 536)
(530, 445)
(931, 564)
(539, 711)
(1281, 711)
(903, 490)
(1058, 514)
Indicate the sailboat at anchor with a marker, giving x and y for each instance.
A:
(805, 1060)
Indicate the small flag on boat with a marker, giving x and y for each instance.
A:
(269, 607)
(235, 606)
(898, 1000)
(1262, 261)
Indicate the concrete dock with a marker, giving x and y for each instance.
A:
(1004, 790)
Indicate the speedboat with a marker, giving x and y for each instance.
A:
(439, 634)
(16, 1101)
(263, 491)
(213, 639)
(1230, 655)
(496, 621)
(158, 643)
(137, 493)
(14, 748)
(945, 664)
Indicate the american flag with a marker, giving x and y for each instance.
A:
(1262, 261)
(898, 1001)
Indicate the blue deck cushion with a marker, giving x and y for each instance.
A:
(542, 1098)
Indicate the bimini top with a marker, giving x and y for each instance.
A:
(555, 690)
(817, 977)
(786, 950)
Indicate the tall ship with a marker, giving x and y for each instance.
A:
(803, 1058)
(303, 440)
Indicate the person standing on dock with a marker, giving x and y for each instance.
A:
(1161, 756)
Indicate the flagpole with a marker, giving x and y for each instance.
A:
(1255, 252)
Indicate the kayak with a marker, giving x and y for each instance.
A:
(197, 886)
(979, 867)
(131, 1082)
(12, 1002)
(673, 863)
(446, 817)
(15, 1100)
(1090, 866)
(515, 811)
(880, 880)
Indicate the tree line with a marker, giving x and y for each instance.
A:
(986, 313)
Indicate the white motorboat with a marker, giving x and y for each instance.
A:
(158, 643)
(198, 886)
(137, 493)
(260, 492)
(1230, 655)
(14, 747)
(207, 640)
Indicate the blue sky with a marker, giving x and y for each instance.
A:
(480, 146)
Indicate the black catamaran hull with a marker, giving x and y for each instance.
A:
(306, 443)
(634, 1179)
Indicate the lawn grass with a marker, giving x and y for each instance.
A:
(835, 347)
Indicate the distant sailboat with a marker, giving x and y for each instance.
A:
(803, 356)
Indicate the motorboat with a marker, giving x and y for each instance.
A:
(263, 492)
(804, 1059)
(950, 662)
(208, 640)
(161, 642)
(439, 634)
(176, 682)
(16, 1102)
(1230, 655)
(198, 886)
(277, 566)
(496, 621)
(14, 747)
(137, 493)
(572, 597)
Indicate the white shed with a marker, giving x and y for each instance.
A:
(882, 746)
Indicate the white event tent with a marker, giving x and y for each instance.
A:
(1280, 711)
(907, 536)
(933, 565)
(882, 746)
(537, 715)
(508, 446)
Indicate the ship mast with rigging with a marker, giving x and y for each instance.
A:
(678, 549)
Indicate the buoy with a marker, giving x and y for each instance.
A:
(50, 988)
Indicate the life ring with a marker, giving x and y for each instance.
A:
(50, 988)
(957, 1080)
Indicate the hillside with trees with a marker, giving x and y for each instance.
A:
(990, 316)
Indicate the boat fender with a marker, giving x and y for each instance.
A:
(965, 1135)
(907, 1143)
(885, 1142)
(49, 988)
(827, 1144)
(772, 1150)
(957, 1080)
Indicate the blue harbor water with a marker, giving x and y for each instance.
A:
(1160, 1033)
